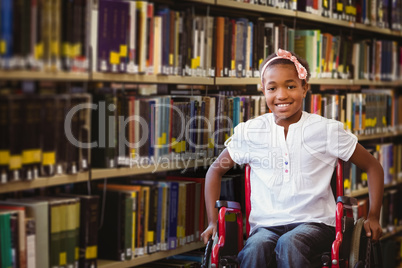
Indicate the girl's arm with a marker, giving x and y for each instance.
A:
(365, 161)
(212, 190)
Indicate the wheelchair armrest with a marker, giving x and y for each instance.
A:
(347, 201)
(227, 204)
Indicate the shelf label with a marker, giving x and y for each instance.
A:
(15, 162)
(123, 51)
(4, 157)
(49, 158)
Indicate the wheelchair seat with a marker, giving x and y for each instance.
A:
(351, 248)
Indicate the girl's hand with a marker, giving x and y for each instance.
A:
(209, 232)
(373, 228)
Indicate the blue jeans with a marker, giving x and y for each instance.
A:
(292, 246)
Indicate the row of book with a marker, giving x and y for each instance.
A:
(46, 232)
(235, 47)
(166, 127)
(145, 217)
(391, 210)
(368, 112)
(44, 135)
(45, 35)
(338, 56)
(231, 47)
(143, 37)
(392, 254)
(376, 60)
(378, 13)
(151, 214)
(125, 218)
(390, 157)
(40, 134)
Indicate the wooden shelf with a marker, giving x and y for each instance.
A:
(210, 2)
(387, 235)
(104, 173)
(321, 19)
(330, 81)
(364, 191)
(369, 28)
(352, 82)
(257, 8)
(42, 182)
(150, 168)
(306, 16)
(160, 79)
(225, 81)
(170, 79)
(377, 83)
(379, 136)
(35, 75)
(149, 258)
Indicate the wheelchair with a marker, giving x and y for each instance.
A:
(351, 248)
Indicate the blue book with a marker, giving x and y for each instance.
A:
(6, 26)
(165, 14)
(236, 111)
(251, 24)
(173, 208)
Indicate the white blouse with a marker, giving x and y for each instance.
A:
(290, 178)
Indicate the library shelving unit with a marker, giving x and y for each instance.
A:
(40, 75)
(231, 5)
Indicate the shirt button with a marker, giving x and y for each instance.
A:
(286, 162)
(286, 171)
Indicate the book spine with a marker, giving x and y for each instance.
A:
(7, 33)
(128, 226)
(30, 242)
(173, 216)
(4, 140)
(104, 36)
(88, 231)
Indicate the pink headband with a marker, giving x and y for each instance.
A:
(283, 54)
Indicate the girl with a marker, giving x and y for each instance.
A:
(292, 155)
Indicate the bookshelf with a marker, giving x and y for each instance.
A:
(44, 182)
(256, 8)
(364, 191)
(98, 173)
(155, 79)
(236, 7)
(149, 258)
(41, 75)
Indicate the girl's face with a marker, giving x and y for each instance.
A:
(284, 93)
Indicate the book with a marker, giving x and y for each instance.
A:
(4, 140)
(30, 242)
(199, 207)
(103, 35)
(142, 35)
(220, 41)
(6, 16)
(136, 240)
(39, 211)
(20, 234)
(48, 135)
(88, 225)
(112, 239)
(103, 119)
(5, 239)
(67, 37)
